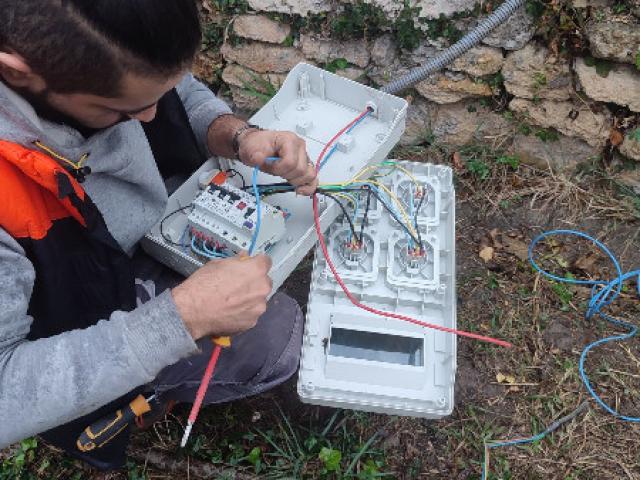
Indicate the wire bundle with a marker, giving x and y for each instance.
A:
(335, 273)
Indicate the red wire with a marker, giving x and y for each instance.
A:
(206, 378)
(204, 384)
(323, 246)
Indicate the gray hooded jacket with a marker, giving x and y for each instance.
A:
(51, 381)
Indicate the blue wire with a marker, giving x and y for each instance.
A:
(600, 298)
(256, 192)
(207, 254)
(603, 294)
(335, 147)
(183, 238)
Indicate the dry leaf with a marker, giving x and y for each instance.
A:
(495, 238)
(586, 262)
(206, 6)
(502, 378)
(486, 254)
(616, 137)
(516, 247)
(457, 161)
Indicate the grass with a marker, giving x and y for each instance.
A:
(498, 199)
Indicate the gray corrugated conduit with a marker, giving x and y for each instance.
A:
(470, 40)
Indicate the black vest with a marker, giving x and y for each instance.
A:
(96, 273)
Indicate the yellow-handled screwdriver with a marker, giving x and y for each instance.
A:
(101, 432)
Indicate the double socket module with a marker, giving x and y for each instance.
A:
(358, 360)
(316, 105)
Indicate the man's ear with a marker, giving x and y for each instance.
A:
(16, 71)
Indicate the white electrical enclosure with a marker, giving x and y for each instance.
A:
(316, 105)
(358, 360)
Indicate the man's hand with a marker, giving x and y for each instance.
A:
(254, 146)
(294, 165)
(224, 297)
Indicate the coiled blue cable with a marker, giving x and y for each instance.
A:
(603, 294)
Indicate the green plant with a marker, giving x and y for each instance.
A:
(259, 87)
(443, 27)
(621, 8)
(335, 451)
(359, 20)
(565, 295)
(212, 36)
(539, 80)
(635, 135)
(510, 160)
(603, 67)
(134, 472)
(336, 64)
(638, 60)
(524, 129)
(478, 168)
(255, 459)
(330, 459)
(547, 135)
(13, 467)
(230, 6)
(535, 8)
(495, 81)
(405, 31)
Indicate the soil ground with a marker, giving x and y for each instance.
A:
(500, 393)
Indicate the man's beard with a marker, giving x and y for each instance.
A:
(41, 105)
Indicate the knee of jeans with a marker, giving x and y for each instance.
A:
(283, 363)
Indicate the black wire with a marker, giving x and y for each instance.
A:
(237, 174)
(346, 214)
(167, 239)
(267, 185)
(366, 216)
(415, 217)
(386, 207)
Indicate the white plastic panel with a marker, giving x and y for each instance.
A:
(316, 104)
(385, 365)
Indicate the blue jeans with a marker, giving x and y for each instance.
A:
(258, 359)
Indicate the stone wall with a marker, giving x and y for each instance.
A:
(556, 85)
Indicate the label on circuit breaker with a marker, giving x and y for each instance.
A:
(227, 217)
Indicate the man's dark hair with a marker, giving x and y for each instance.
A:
(85, 46)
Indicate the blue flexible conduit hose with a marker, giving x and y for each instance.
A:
(470, 40)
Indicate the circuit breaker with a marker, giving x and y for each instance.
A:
(358, 360)
(226, 218)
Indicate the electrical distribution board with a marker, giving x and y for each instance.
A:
(315, 104)
(355, 359)
(225, 218)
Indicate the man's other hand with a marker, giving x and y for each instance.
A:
(224, 297)
(294, 164)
